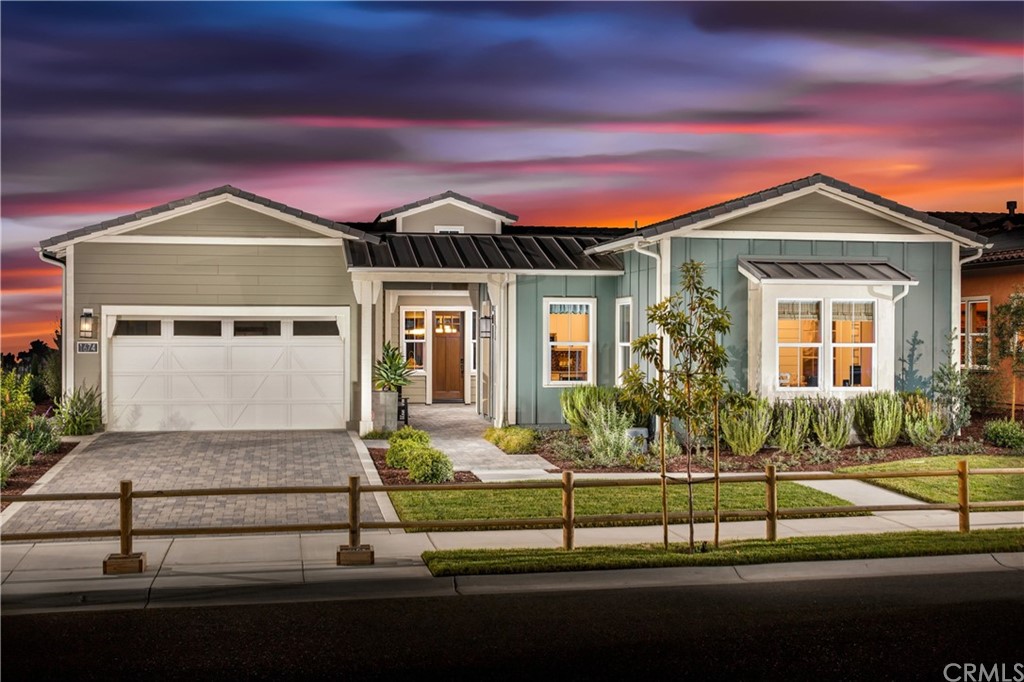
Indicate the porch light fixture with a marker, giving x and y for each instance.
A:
(86, 324)
(486, 324)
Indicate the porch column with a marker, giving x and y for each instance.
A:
(366, 294)
(497, 291)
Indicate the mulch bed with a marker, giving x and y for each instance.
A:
(391, 476)
(25, 476)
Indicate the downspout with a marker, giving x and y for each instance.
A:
(64, 333)
(976, 256)
(902, 294)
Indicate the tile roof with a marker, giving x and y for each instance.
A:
(813, 269)
(499, 252)
(723, 208)
(201, 196)
(1004, 231)
(448, 195)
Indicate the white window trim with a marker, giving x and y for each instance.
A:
(819, 345)
(873, 346)
(428, 349)
(620, 303)
(763, 343)
(591, 344)
(449, 229)
(426, 334)
(968, 332)
(473, 318)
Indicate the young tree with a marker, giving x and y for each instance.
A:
(1008, 326)
(688, 362)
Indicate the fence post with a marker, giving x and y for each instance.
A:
(771, 503)
(963, 495)
(126, 561)
(568, 511)
(354, 553)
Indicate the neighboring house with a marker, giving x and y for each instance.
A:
(226, 310)
(987, 282)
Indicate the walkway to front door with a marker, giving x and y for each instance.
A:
(457, 430)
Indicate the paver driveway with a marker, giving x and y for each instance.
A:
(202, 460)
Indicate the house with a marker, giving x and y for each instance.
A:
(227, 310)
(987, 282)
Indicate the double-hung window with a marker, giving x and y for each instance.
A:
(799, 344)
(853, 344)
(414, 337)
(974, 337)
(569, 331)
(623, 336)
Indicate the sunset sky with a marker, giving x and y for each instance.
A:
(566, 114)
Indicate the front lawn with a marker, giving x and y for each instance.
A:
(913, 543)
(944, 490)
(450, 505)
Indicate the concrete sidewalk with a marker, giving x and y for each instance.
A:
(182, 571)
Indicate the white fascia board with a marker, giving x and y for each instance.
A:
(820, 282)
(815, 236)
(449, 201)
(198, 206)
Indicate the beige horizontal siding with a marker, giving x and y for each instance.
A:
(812, 213)
(224, 220)
(425, 221)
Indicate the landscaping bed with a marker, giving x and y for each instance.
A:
(393, 476)
(25, 475)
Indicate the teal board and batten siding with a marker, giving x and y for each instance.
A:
(535, 403)
(926, 311)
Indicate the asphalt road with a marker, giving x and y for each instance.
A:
(904, 628)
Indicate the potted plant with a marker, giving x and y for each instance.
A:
(390, 373)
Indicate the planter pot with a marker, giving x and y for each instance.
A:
(385, 410)
(639, 436)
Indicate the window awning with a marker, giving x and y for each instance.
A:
(815, 270)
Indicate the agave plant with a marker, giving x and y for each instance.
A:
(392, 371)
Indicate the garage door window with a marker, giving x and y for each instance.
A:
(137, 328)
(197, 328)
(257, 328)
(315, 328)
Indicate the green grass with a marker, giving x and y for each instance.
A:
(450, 505)
(944, 490)
(913, 543)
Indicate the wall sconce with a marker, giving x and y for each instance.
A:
(86, 324)
(486, 324)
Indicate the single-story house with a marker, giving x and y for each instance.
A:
(987, 282)
(227, 310)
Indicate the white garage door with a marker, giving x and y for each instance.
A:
(201, 374)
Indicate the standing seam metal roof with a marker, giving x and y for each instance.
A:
(824, 269)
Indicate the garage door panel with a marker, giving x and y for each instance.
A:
(246, 358)
(221, 383)
(198, 357)
(259, 387)
(198, 387)
(317, 387)
(138, 387)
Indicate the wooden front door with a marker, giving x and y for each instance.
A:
(448, 359)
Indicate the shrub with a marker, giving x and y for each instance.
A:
(15, 401)
(397, 456)
(672, 446)
(985, 388)
(924, 430)
(878, 418)
(950, 391)
(821, 454)
(579, 402)
(832, 422)
(610, 442)
(427, 465)
(513, 440)
(746, 425)
(41, 434)
(915, 404)
(407, 433)
(377, 434)
(567, 446)
(50, 377)
(78, 413)
(7, 466)
(959, 447)
(792, 424)
(1005, 433)
(18, 449)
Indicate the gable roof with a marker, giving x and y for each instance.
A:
(481, 252)
(448, 195)
(726, 207)
(202, 196)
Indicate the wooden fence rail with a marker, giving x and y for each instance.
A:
(129, 561)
